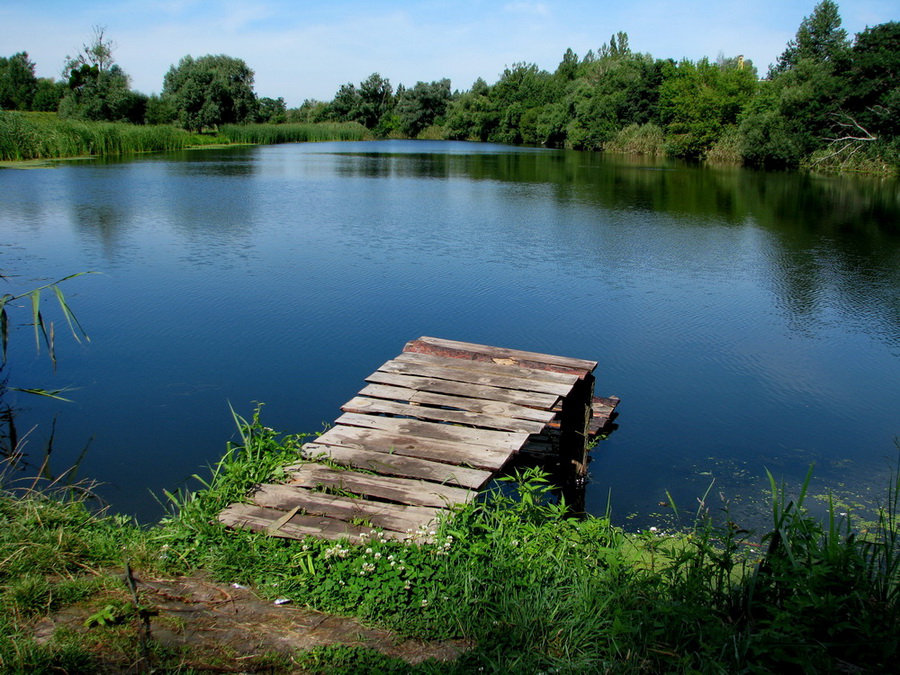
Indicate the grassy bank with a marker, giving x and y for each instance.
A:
(28, 136)
(267, 134)
(532, 588)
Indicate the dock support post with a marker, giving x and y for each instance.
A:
(575, 421)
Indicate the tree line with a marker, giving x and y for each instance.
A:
(829, 100)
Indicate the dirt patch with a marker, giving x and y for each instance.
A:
(213, 623)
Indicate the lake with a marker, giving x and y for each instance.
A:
(748, 320)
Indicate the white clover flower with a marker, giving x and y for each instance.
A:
(424, 602)
(654, 529)
(377, 555)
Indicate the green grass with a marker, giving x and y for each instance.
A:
(29, 136)
(293, 133)
(638, 139)
(25, 136)
(533, 588)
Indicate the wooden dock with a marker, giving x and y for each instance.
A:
(430, 428)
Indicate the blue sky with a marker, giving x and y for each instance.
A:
(301, 49)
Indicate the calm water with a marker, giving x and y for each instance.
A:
(747, 320)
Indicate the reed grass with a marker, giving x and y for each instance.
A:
(638, 139)
(728, 149)
(268, 134)
(26, 136)
(46, 136)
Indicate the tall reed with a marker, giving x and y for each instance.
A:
(293, 133)
(46, 136)
(638, 139)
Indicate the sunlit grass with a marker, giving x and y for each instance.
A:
(530, 586)
(293, 133)
(31, 136)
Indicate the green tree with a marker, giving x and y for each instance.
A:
(160, 110)
(520, 88)
(18, 83)
(793, 116)
(567, 70)
(311, 110)
(376, 99)
(48, 94)
(800, 105)
(345, 107)
(272, 110)
(697, 101)
(613, 90)
(98, 87)
(471, 116)
(874, 79)
(210, 90)
(423, 104)
(819, 38)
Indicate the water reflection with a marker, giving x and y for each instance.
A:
(833, 235)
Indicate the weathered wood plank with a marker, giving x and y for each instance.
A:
(398, 465)
(471, 377)
(500, 440)
(459, 402)
(446, 452)
(383, 515)
(489, 367)
(435, 385)
(401, 490)
(260, 519)
(603, 411)
(433, 425)
(368, 406)
(432, 345)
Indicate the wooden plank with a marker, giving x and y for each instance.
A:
(499, 440)
(446, 452)
(383, 515)
(363, 405)
(435, 385)
(489, 367)
(439, 344)
(603, 412)
(459, 402)
(260, 519)
(471, 377)
(401, 490)
(397, 465)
